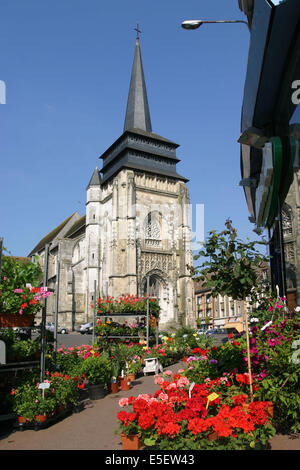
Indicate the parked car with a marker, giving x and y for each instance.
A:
(61, 329)
(85, 328)
(210, 332)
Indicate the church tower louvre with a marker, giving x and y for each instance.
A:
(138, 215)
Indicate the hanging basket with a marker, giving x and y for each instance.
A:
(132, 442)
(15, 320)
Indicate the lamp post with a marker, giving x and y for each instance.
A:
(194, 24)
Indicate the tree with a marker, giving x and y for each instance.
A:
(231, 269)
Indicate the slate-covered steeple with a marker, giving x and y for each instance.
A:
(138, 148)
(95, 179)
(137, 111)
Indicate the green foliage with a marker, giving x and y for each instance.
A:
(18, 273)
(230, 269)
(279, 344)
(15, 274)
(188, 339)
(97, 369)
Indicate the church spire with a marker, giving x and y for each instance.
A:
(137, 111)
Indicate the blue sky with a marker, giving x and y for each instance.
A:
(67, 64)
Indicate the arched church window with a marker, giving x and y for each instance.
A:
(154, 285)
(152, 229)
(76, 254)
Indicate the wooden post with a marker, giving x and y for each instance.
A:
(248, 348)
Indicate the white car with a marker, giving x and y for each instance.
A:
(62, 329)
(85, 328)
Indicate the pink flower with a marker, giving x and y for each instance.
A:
(168, 372)
(123, 402)
(163, 396)
(159, 381)
(171, 386)
(4, 279)
(18, 291)
(183, 381)
(20, 311)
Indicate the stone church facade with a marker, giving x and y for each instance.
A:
(291, 237)
(137, 226)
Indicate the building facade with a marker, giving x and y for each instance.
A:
(218, 312)
(136, 226)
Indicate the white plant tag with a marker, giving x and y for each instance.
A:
(266, 325)
(191, 388)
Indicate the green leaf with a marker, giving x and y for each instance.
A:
(149, 441)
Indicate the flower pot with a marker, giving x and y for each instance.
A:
(15, 320)
(132, 442)
(131, 377)
(22, 419)
(114, 387)
(40, 418)
(270, 410)
(96, 391)
(125, 385)
(60, 409)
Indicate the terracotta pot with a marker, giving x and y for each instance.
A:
(14, 320)
(22, 419)
(125, 385)
(131, 377)
(132, 442)
(114, 387)
(40, 418)
(270, 410)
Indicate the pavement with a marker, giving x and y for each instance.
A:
(94, 427)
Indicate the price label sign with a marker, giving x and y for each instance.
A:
(44, 385)
(213, 396)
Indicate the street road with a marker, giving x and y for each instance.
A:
(73, 339)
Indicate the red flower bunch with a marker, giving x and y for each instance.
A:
(203, 352)
(242, 378)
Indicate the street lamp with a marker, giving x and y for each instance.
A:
(194, 24)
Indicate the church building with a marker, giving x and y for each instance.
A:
(137, 226)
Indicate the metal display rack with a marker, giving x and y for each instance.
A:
(126, 315)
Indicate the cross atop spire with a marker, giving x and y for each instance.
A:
(137, 31)
(137, 111)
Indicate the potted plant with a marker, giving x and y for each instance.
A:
(96, 369)
(115, 370)
(31, 404)
(134, 366)
(129, 431)
(19, 300)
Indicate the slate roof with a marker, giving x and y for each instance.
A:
(77, 227)
(50, 236)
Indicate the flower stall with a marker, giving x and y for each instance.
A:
(184, 415)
